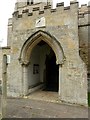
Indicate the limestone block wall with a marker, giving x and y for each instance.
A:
(0, 64)
(24, 20)
(28, 15)
(84, 26)
(23, 3)
(9, 41)
(61, 23)
(34, 79)
(73, 84)
(0, 69)
(4, 50)
(83, 43)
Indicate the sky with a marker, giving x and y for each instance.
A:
(6, 10)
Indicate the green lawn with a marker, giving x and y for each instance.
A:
(89, 99)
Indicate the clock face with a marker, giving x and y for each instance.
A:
(40, 22)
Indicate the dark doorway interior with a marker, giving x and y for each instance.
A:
(52, 73)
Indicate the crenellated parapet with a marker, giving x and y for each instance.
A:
(24, 3)
(84, 12)
(83, 8)
(30, 9)
(40, 8)
(23, 9)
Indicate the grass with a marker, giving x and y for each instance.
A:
(89, 99)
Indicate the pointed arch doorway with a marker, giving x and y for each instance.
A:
(41, 58)
(43, 68)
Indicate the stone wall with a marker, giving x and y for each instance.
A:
(69, 27)
(3, 50)
(0, 67)
(84, 31)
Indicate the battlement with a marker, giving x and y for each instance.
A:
(24, 3)
(83, 14)
(84, 9)
(41, 8)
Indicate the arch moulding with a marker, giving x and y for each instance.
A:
(33, 40)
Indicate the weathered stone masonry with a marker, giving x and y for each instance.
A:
(65, 31)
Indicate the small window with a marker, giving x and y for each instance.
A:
(36, 69)
(31, 2)
(27, 2)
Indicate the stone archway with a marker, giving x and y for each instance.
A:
(26, 51)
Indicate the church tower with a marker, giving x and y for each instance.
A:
(23, 3)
